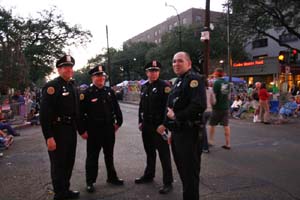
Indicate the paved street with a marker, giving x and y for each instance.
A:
(263, 164)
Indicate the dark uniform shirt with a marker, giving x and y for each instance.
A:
(153, 101)
(60, 104)
(188, 100)
(100, 107)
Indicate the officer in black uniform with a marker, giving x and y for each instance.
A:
(154, 95)
(185, 106)
(59, 116)
(101, 115)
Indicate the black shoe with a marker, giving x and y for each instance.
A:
(116, 181)
(72, 194)
(90, 188)
(58, 197)
(226, 147)
(165, 189)
(143, 179)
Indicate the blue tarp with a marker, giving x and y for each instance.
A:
(234, 79)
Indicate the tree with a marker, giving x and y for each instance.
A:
(30, 46)
(258, 16)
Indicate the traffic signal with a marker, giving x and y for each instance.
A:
(293, 55)
(282, 57)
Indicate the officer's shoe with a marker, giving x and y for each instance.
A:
(90, 188)
(115, 181)
(58, 196)
(70, 194)
(165, 189)
(143, 179)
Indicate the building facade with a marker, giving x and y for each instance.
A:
(192, 16)
(264, 66)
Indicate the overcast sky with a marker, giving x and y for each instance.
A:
(125, 19)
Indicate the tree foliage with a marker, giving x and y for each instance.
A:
(28, 47)
(128, 63)
(258, 16)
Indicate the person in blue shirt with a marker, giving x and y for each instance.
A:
(288, 109)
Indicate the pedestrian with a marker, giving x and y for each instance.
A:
(102, 117)
(59, 116)
(185, 106)
(220, 111)
(154, 95)
(255, 97)
(210, 101)
(264, 112)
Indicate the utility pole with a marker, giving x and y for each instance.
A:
(206, 42)
(108, 58)
(228, 45)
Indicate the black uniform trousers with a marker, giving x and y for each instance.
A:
(100, 137)
(187, 148)
(62, 159)
(153, 141)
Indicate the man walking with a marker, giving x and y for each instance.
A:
(221, 108)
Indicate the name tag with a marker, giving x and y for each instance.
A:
(94, 100)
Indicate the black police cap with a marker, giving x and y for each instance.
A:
(66, 60)
(153, 65)
(99, 69)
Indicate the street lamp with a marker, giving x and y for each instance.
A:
(179, 24)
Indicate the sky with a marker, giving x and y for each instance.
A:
(124, 19)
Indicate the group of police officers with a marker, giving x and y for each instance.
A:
(95, 114)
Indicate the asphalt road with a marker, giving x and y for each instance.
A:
(264, 164)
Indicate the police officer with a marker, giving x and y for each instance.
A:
(102, 117)
(154, 94)
(59, 119)
(185, 106)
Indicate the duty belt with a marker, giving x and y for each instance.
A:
(65, 119)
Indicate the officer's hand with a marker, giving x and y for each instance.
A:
(171, 114)
(161, 129)
(51, 144)
(140, 126)
(116, 127)
(170, 139)
(84, 135)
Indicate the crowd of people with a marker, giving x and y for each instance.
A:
(259, 101)
(17, 108)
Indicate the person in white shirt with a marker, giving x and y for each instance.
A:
(237, 103)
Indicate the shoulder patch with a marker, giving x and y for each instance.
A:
(193, 83)
(167, 90)
(81, 97)
(50, 90)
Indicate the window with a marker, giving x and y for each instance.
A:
(155, 33)
(260, 43)
(170, 27)
(288, 37)
(184, 21)
(148, 36)
(175, 24)
(198, 19)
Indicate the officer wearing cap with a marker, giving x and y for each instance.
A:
(59, 119)
(102, 117)
(185, 106)
(154, 94)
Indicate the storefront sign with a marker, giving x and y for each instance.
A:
(249, 64)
